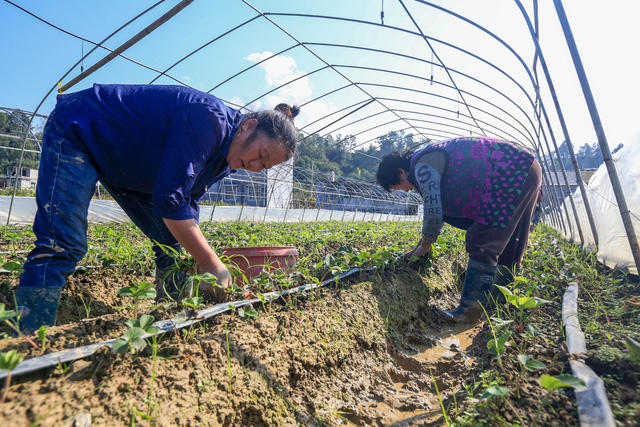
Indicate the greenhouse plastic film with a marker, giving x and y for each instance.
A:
(613, 248)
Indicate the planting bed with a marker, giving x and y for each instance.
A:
(367, 350)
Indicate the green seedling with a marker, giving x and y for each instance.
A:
(494, 390)
(247, 312)
(154, 355)
(553, 383)
(529, 363)
(192, 305)
(498, 322)
(497, 345)
(521, 301)
(86, 306)
(9, 361)
(229, 373)
(203, 385)
(138, 291)
(15, 265)
(42, 334)
(63, 368)
(9, 317)
(133, 338)
(444, 412)
(634, 348)
(12, 319)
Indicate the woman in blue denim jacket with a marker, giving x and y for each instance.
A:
(156, 149)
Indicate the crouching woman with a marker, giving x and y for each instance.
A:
(483, 185)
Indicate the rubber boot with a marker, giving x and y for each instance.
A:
(37, 307)
(477, 286)
(172, 285)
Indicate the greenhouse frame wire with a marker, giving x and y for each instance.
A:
(533, 127)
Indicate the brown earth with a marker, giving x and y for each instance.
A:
(365, 352)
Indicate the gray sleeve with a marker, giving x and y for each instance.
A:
(428, 179)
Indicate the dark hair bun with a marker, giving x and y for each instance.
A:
(287, 110)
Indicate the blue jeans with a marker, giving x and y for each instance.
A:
(66, 183)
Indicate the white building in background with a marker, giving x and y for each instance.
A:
(280, 185)
(27, 177)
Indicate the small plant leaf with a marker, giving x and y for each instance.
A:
(10, 359)
(6, 314)
(529, 363)
(533, 330)
(125, 292)
(498, 346)
(535, 365)
(634, 348)
(12, 266)
(498, 322)
(145, 321)
(193, 302)
(42, 332)
(494, 390)
(554, 383)
(250, 313)
(505, 291)
(120, 346)
(133, 336)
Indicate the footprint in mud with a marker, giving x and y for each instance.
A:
(406, 393)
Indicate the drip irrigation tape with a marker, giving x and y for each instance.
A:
(78, 268)
(593, 405)
(575, 337)
(167, 325)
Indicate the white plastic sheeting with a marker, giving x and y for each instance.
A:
(101, 211)
(24, 210)
(613, 245)
(280, 185)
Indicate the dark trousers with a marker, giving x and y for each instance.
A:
(506, 247)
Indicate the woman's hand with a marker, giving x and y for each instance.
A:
(188, 234)
(421, 250)
(224, 281)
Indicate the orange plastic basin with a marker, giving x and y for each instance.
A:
(253, 260)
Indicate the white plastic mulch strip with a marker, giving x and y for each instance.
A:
(103, 211)
(575, 337)
(167, 325)
(593, 405)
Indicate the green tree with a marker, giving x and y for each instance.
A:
(342, 156)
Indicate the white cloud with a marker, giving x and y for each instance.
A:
(278, 71)
(282, 69)
(239, 102)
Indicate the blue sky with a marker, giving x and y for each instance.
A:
(36, 55)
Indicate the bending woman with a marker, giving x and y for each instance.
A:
(483, 185)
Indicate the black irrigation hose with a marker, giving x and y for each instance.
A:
(53, 359)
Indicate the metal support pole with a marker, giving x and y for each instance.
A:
(554, 203)
(135, 39)
(554, 189)
(564, 175)
(602, 139)
(566, 136)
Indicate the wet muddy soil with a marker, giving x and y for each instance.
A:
(364, 352)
